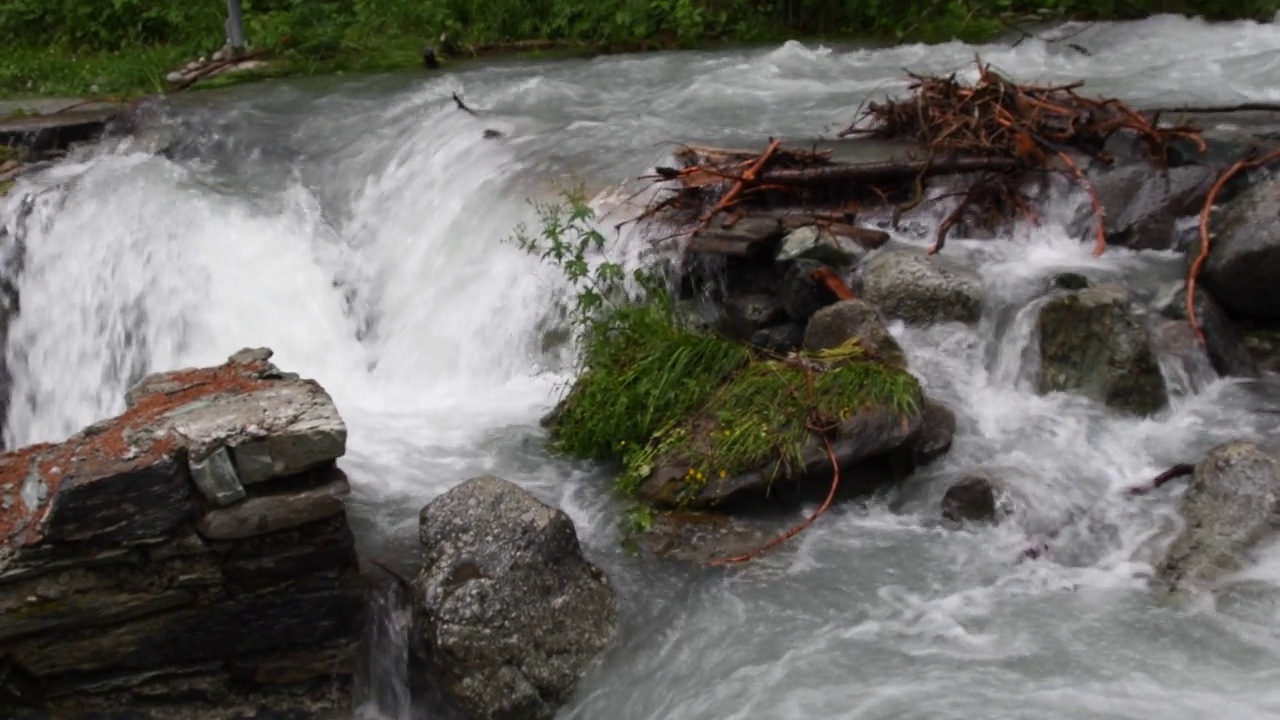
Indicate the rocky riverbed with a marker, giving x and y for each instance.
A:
(999, 567)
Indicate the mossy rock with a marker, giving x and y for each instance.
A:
(759, 428)
(1093, 344)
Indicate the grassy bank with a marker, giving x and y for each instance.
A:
(69, 47)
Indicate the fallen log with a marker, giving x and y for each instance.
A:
(885, 171)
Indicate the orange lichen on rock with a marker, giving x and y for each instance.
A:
(137, 441)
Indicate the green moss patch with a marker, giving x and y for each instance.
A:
(764, 415)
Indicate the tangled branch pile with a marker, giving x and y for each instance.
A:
(1005, 132)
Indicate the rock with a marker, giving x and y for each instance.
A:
(430, 60)
(1229, 508)
(815, 243)
(834, 325)
(277, 509)
(174, 77)
(700, 537)
(1226, 350)
(1093, 344)
(1143, 203)
(780, 339)
(1240, 272)
(802, 296)
(1069, 281)
(109, 597)
(937, 431)
(512, 611)
(746, 315)
(977, 498)
(1264, 347)
(919, 289)
(869, 433)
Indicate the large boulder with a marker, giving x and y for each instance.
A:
(1230, 507)
(835, 325)
(1094, 344)
(192, 554)
(1241, 270)
(506, 604)
(1226, 349)
(919, 289)
(1144, 204)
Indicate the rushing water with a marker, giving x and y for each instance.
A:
(354, 226)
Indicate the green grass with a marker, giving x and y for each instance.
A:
(763, 416)
(126, 47)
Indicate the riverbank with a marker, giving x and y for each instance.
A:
(117, 55)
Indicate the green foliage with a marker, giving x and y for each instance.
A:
(652, 389)
(640, 366)
(119, 46)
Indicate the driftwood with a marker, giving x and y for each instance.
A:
(1002, 131)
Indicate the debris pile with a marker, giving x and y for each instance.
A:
(1005, 134)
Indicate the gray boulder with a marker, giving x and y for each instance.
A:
(1226, 350)
(919, 289)
(509, 608)
(1241, 270)
(937, 431)
(977, 498)
(815, 243)
(1143, 203)
(1230, 506)
(1092, 343)
(801, 294)
(834, 325)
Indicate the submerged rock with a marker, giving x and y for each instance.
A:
(1229, 507)
(1264, 347)
(510, 609)
(858, 320)
(978, 498)
(147, 560)
(701, 537)
(1241, 270)
(919, 289)
(1092, 343)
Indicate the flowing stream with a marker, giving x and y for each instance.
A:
(355, 226)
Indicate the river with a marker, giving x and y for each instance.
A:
(355, 226)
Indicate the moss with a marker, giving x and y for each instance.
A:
(642, 370)
(5, 187)
(764, 414)
(7, 153)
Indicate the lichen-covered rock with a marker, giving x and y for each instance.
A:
(835, 325)
(1241, 270)
(1092, 343)
(1229, 507)
(922, 290)
(137, 568)
(506, 603)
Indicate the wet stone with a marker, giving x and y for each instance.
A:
(216, 478)
(279, 510)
